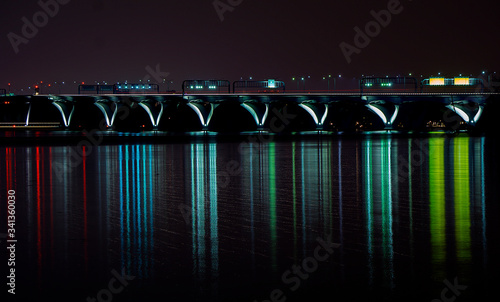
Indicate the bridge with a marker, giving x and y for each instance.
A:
(225, 111)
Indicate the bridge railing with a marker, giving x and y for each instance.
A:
(206, 86)
(388, 84)
(269, 86)
(460, 84)
(136, 88)
(126, 88)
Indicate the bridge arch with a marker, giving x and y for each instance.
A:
(204, 112)
(65, 107)
(470, 114)
(256, 112)
(387, 114)
(108, 109)
(318, 112)
(154, 116)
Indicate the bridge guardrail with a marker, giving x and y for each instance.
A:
(206, 86)
(459, 84)
(376, 84)
(269, 86)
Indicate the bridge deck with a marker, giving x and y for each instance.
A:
(354, 94)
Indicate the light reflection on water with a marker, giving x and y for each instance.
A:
(206, 218)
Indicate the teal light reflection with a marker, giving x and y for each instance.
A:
(203, 164)
(136, 217)
(367, 172)
(272, 204)
(378, 181)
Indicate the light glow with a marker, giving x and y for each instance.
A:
(436, 81)
(378, 112)
(462, 81)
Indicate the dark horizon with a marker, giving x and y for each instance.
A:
(116, 41)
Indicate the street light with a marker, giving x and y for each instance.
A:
(293, 79)
(328, 81)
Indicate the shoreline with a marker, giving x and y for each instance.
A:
(95, 138)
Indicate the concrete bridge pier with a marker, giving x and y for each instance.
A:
(204, 110)
(65, 106)
(154, 109)
(470, 114)
(109, 108)
(318, 112)
(258, 111)
(28, 115)
(387, 113)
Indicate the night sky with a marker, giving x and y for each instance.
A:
(116, 40)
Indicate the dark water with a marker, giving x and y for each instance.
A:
(243, 222)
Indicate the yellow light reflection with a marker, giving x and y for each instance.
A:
(462, 197)
(437, 203)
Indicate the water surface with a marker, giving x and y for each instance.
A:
(231, 221)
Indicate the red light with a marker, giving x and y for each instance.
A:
(49, 85)
(83, 83)
(8, 84)
(41, 82)
(36, 86)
